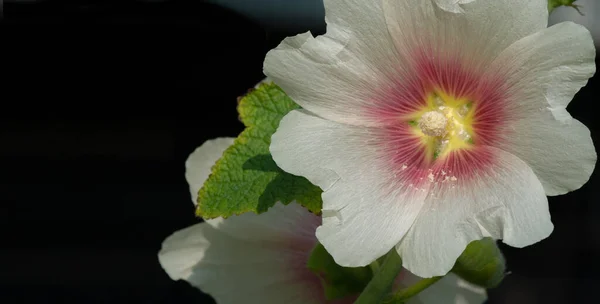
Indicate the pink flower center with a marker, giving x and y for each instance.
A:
(439, 119)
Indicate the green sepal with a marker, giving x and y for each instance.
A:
(481, 263)
(337, 281)
(552, 4)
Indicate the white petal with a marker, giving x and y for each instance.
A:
(370, 47)
(473, 30)
(544, 72)
(239, 269)
(199, 164)
(335, 75)
(182, 250)
(453, 6)
(547, 69)
(449, 290)
(561, 154)
(366, 211)
(505, 201)
(280, 224)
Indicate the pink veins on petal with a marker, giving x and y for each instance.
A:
(449, 86)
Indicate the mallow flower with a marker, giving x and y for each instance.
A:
(262, 258)
(432, 123)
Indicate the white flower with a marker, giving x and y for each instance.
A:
(262, 258)
(494, 83)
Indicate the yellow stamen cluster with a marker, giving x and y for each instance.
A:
(434, 123)
(445, 124)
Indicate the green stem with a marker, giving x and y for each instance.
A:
(381, 284)
(404, 294)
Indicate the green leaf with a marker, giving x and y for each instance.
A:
(246, 178)
(337, 281)
(552, 4)
(481, 263)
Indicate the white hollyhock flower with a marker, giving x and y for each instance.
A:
(262, 258)
(432, 123)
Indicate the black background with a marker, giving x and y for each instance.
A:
(103, 101)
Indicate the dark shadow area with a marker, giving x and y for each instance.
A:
(261, 162)
(104, 102)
